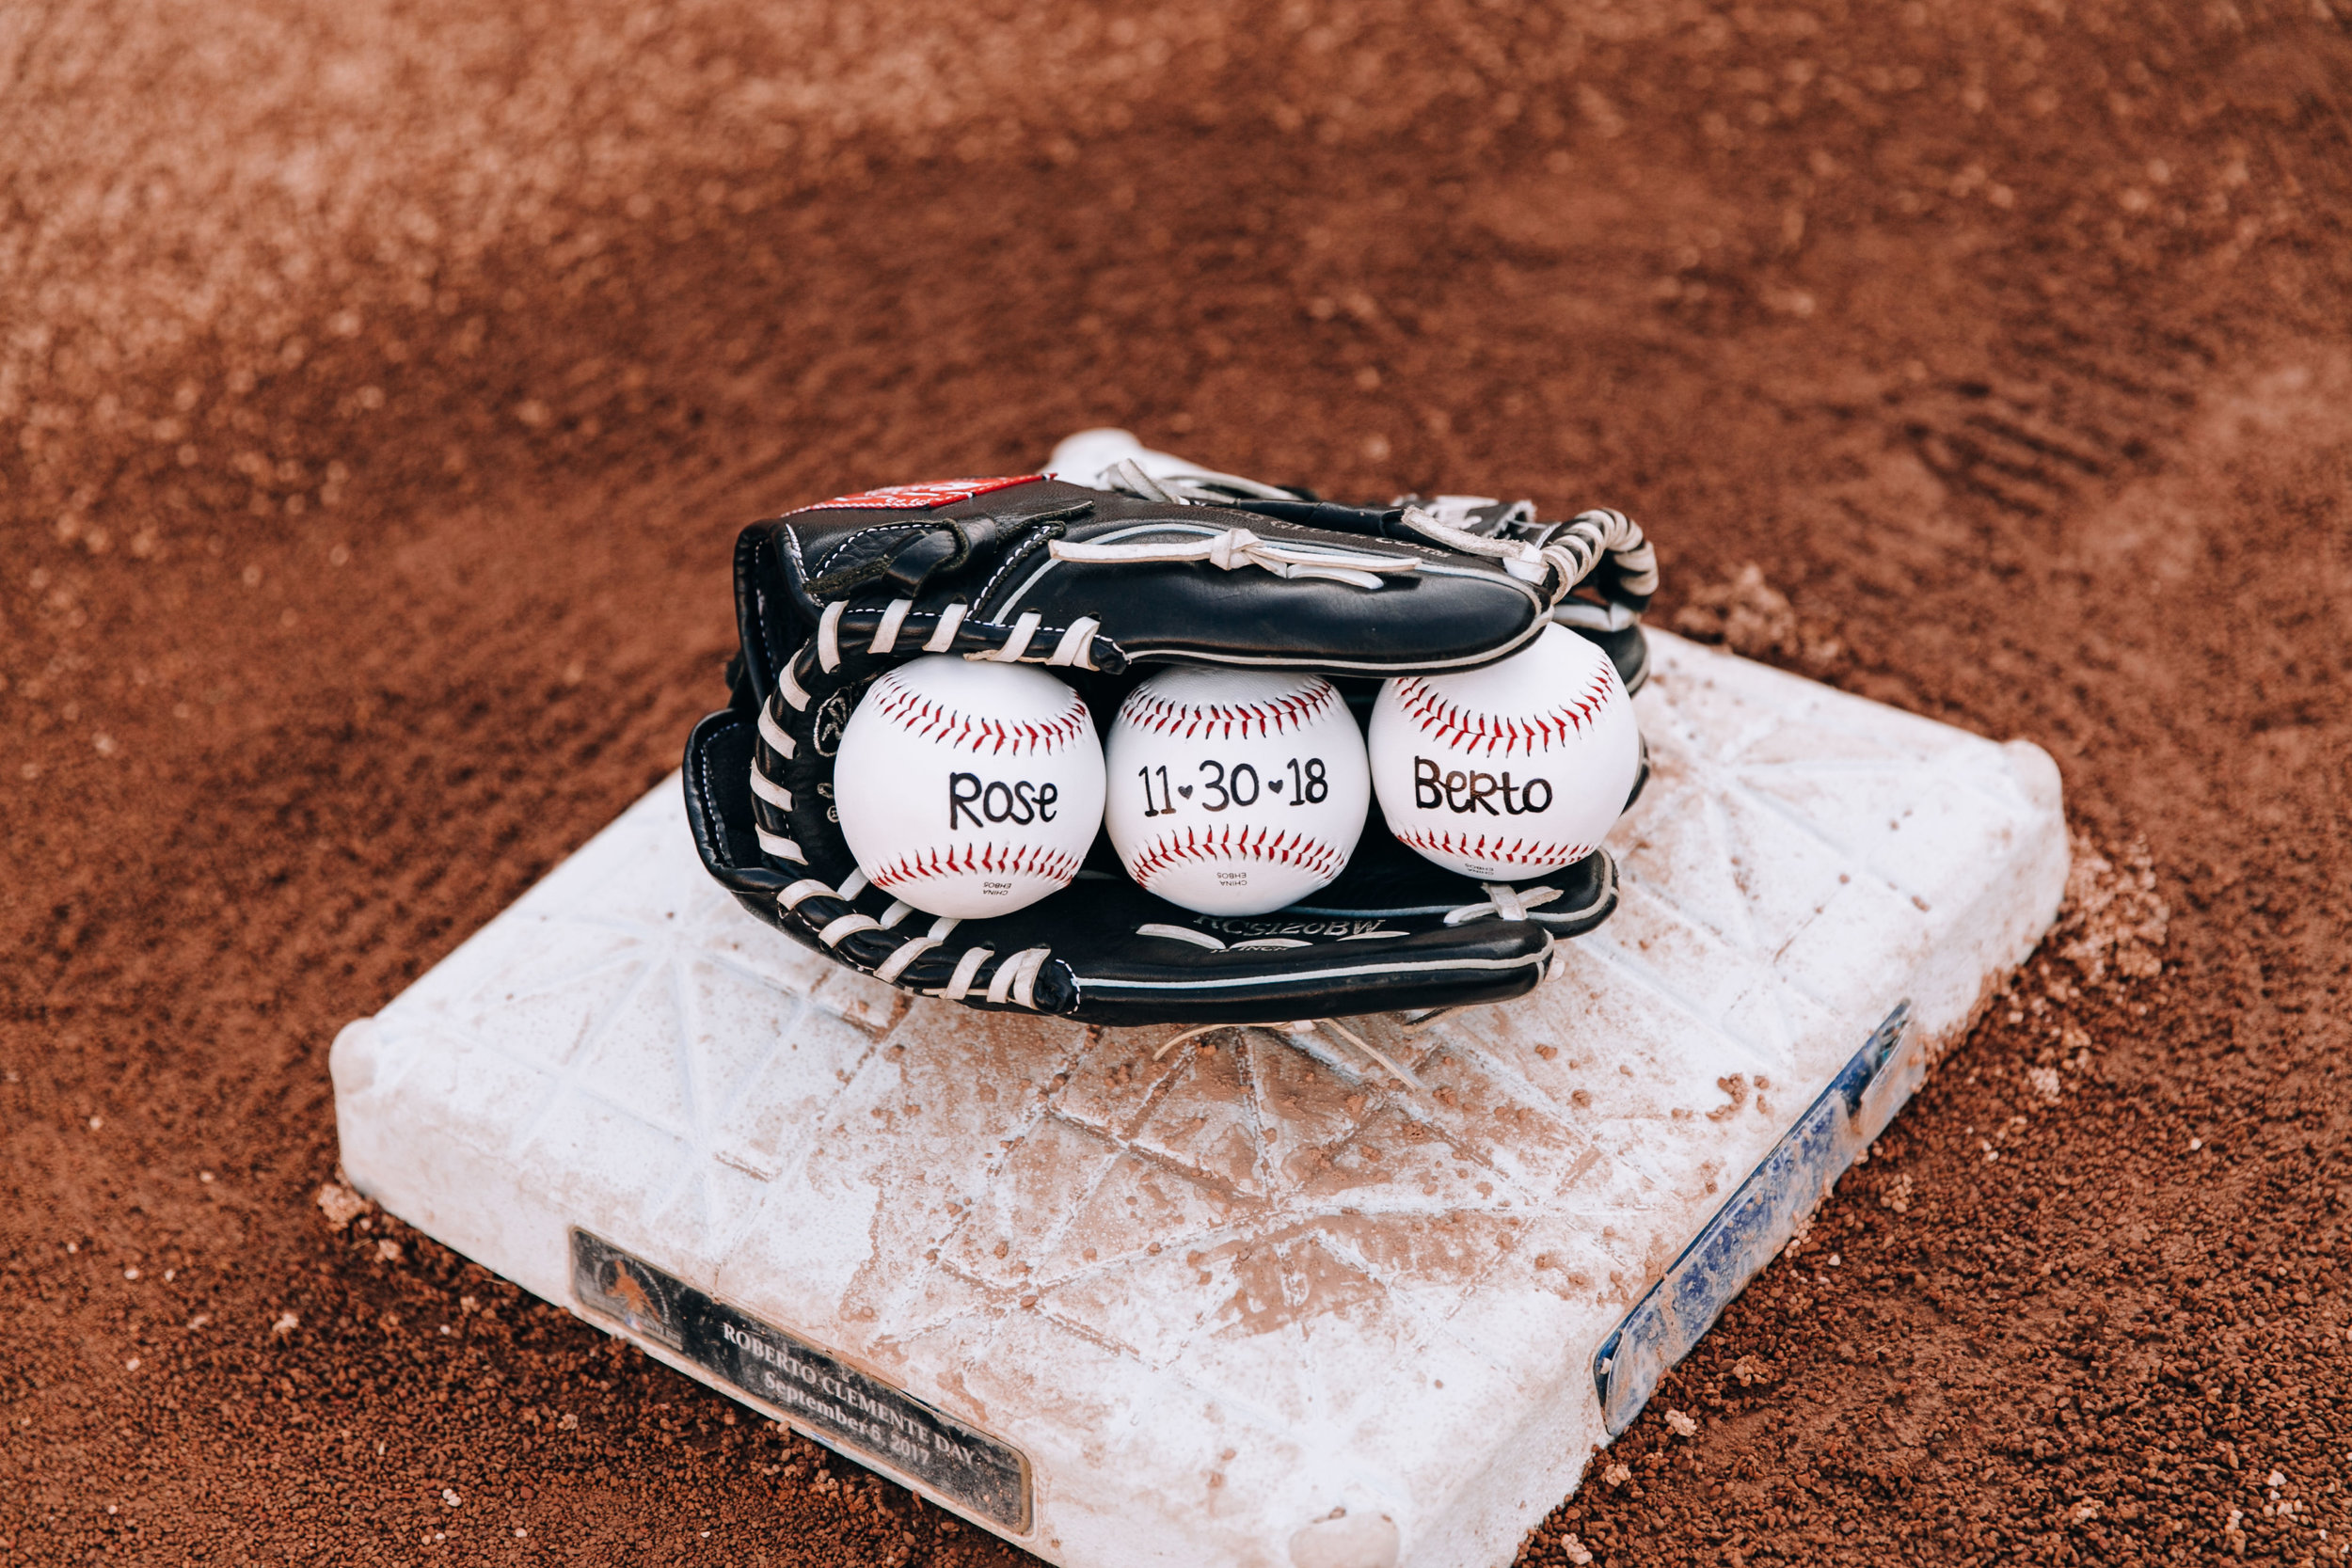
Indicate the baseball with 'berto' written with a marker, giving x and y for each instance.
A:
(1512, 771)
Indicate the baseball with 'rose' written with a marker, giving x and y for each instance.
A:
(967, 788)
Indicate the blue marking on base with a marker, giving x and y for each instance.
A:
(1746, 1233)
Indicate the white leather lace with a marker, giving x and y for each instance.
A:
(1509, 902)
(1237, 547)
(1188, 487)
(1573, 550)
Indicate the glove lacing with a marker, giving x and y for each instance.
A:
(1197, 487)
(1567, 556)
(1237, 547)
(1572, 550)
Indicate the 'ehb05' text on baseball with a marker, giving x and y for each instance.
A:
(996, 801)
(1467, 791)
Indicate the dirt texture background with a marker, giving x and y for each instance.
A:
(384, 383)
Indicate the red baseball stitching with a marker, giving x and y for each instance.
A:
(1227, 721)
(934, 721)
(1230, 842)
(1478, 847)
(961, 860)
(1450, 724)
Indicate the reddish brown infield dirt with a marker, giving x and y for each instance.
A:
(385, 382)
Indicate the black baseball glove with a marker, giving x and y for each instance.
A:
(1149, 562)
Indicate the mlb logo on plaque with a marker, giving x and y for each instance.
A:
(632, 1293)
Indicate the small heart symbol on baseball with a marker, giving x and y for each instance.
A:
(969, 788)
(1510, 771)
(1271, 771)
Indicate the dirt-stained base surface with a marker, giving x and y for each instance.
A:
(384, 383)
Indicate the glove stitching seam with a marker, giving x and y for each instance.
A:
(826, 565)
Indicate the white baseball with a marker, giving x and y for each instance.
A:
(1235, 792)
(1509, 771)
(969, 788)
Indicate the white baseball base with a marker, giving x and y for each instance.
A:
(1255, 1305)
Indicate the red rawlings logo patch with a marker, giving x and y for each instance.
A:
(921, 498)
